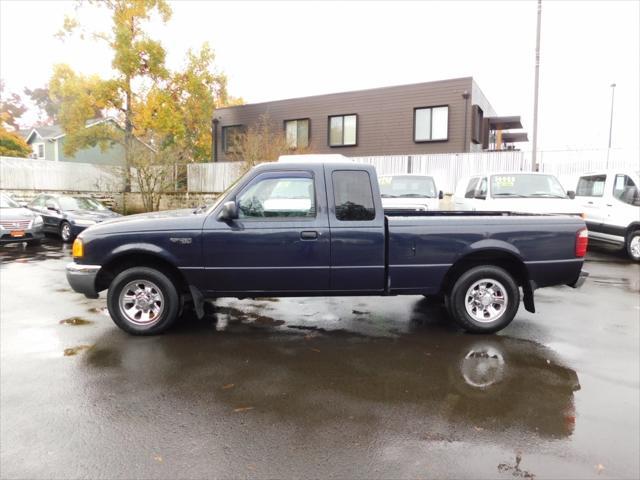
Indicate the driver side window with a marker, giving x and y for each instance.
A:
(282, 197)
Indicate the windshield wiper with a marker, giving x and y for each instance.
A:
(515, 195)
(386, 195)
(414, 195)
(549, 195)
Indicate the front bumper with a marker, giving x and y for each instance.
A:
(30, 234)
(581, 279)
(82, 278)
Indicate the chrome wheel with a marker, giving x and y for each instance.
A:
(486, 300)
(65, 232)
(141, 302)
(634, 247)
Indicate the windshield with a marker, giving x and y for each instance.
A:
(6, 202)
(526, 186)
(407, 186)
(76, 203)
(95, 203)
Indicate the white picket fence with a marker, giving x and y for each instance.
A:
(447, 169)
(28, 174)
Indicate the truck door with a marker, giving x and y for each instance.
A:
(357, 230)
(279, 243)
(590, 193)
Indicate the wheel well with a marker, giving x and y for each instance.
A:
(630, 229)
(497, 258)
(136, 259)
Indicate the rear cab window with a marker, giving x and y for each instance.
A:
(353, 196)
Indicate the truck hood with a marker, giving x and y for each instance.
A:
(535, 205)
(410, 203)
(184, 219)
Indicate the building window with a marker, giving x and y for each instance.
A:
(38, 149)
(343, 130)
(297, 132)
(430, 124)
(231, 138)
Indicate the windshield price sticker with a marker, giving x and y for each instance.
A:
(505, 181)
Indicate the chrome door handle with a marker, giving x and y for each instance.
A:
(309, 235)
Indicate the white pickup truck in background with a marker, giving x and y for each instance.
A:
(515, 192)
(409, 192)
(611, 204)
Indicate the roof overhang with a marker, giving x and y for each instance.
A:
(504, 123)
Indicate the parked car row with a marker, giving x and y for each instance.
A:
(62, 215)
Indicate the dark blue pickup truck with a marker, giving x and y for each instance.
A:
(319, 229)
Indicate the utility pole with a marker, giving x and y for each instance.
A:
(613, 90)
(535, 92)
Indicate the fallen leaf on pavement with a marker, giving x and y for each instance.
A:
(317, 350)
(158, 458)
(599, 468)
(228, 386)
(242, 409)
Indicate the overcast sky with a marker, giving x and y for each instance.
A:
(274, 50)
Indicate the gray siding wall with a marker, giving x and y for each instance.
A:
(113, 155)
(385, 117)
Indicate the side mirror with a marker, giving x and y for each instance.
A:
(571, 194)
(229, 212)
(440, 195)
(51, 206)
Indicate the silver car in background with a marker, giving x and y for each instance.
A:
(18, 224)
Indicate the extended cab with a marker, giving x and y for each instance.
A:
(303, 229)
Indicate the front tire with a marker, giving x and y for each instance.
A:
(484, 299)
(633, 245)
(65, 232)
(143, 301)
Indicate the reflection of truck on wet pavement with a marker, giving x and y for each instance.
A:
(319, 229)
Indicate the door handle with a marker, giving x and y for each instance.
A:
(590, 203)
(609, 205)
(309, 235)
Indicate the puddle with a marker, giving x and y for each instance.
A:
(102, 310)
(256, 319)
(70, 352)
(268, 299)
(75, 321)
(103, 357)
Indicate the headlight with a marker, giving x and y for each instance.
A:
(37, 221)
(84, 223)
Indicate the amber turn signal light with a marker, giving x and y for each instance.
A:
(78, 248)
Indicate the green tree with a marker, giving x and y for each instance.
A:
(170, 111)
(12, 144)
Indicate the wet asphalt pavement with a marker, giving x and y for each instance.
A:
(323, 387)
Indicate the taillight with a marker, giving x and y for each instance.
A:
(582, 239)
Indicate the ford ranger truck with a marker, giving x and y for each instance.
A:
(319, 229)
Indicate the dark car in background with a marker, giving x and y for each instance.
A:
(18, 224)
(67, 216)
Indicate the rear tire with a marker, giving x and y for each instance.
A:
(632, 245)
(143, 301)
(484, 299)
